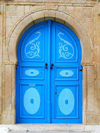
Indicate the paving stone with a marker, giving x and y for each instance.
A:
(49, 132)
(17, 132)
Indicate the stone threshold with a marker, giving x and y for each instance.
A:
(68, 128)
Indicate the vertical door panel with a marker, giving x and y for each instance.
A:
(32, 100)
(66, 79)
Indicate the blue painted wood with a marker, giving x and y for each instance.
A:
(66, 90)
(49, 62)
(45, 95)
(32, 88)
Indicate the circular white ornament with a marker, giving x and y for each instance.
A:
(66, 101)
(31, 101)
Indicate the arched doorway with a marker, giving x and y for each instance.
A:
(49, 75)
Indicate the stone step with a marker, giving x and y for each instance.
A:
(49, 128)
(48, 132)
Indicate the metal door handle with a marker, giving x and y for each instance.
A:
(51, 66)
(46, 65)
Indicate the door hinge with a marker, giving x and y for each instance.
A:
(16, 66)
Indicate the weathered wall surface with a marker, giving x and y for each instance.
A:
(82, 16)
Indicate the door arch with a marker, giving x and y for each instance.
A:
(49, 75)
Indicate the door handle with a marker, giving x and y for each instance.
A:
(51, 66)
(46, 65)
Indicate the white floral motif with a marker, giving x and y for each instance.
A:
(32, 49)
(66, 50)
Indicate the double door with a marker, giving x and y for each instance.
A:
(49, 75)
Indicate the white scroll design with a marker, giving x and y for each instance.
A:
(66, 50)
(32, 48)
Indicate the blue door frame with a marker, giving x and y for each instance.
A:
(49, 75)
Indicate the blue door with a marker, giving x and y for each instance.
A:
(49, 75)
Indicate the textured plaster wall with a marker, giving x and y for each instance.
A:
(82, 16)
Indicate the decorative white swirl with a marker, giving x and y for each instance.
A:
(32, 49)
(66, 49)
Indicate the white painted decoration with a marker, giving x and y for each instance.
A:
(32, 72)
(32, 49)
(66, 101)
(66, 73)
(66, 50)
(31, 101)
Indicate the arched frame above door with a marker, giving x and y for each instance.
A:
(62, 17)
